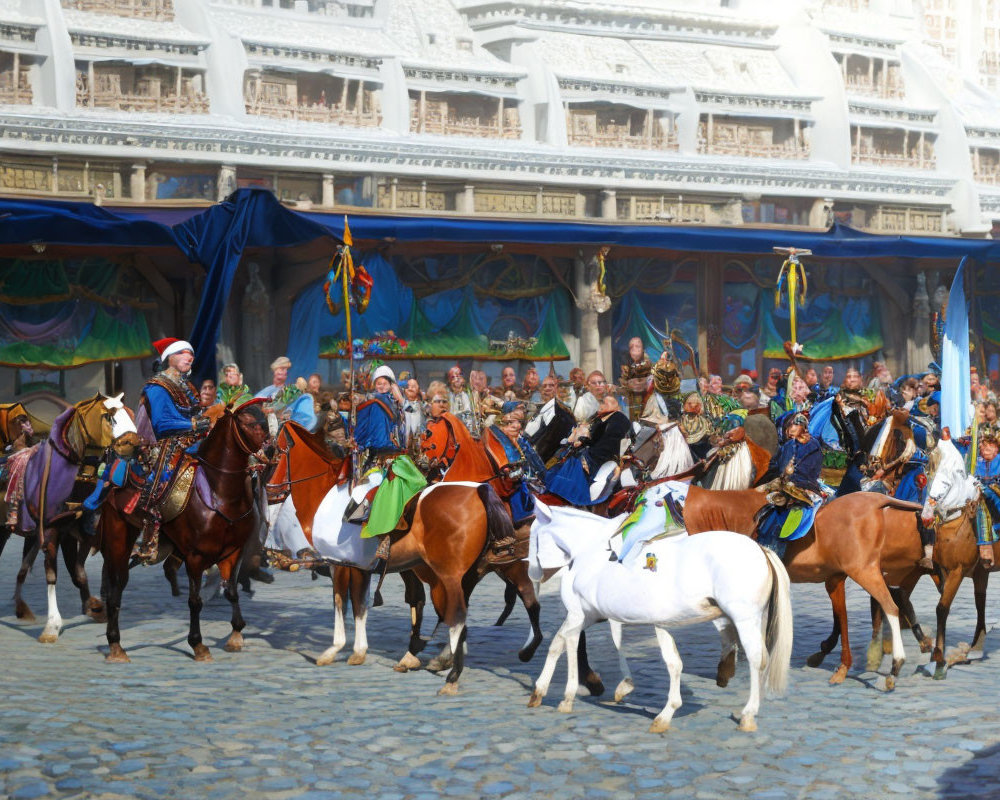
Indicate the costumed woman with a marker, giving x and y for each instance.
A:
(523, 464)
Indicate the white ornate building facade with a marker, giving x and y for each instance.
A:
(882, 113)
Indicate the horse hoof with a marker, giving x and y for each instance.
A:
(890, 683)
(535, 700)
(407, 662)
(235, 643)
(449, 689)
(815, 659)
(566, 706)
(48, 636)
(24, 613)
(327, 657)
(117, 656)
(356, 659)
(202, 653)
(624, 689)
(839, 675)
(748, 724)
(98, 615)
(528, 653)
(926, 645)
(594, 684)
(659, 726)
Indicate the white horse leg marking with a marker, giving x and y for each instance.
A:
(626, 686)
(898, 653)
(360, 637)
(53, 625)
(752, 637)
(339, 632)
(672, 658)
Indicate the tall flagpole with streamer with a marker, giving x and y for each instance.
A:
(792, 273)
(356, 286)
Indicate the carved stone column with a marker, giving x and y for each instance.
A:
(329, 198)
(465, 203)
(918, 347)
(590, 304)
(609, 204)
(227, 182)
(137, 182)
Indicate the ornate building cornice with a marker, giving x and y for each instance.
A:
(795, 106)
(585, 86)
(487, 80)
(349, 153)
(136, 45)
(17, 31)
(981, 135)
(262, 50)
(842, 41)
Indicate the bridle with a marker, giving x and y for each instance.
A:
(451, 448)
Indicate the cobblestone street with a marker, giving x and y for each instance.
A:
(269, 722)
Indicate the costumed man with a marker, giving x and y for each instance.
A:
(523, 464)
(591, 445)
(589, 403)
(718, 404)
(413, 415)
(988, 474)
(169, 407)
(377, 433)
(664, 403)
(636, 378)
(792, 482)
(696, 427)
(461, 401)
(232, 388)
(279, 372)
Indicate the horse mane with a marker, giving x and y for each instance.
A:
(471, 462)
(300, 435)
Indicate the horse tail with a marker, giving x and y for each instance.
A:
(778, 628)
(498, 522)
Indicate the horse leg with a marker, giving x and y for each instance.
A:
(551, 659)
(75, 554)
(516, 577)
(117, 540)
(28, 555)
(980, 577)
(908, 614)
(416, 598)
(753, 646)
(826, 646)
(952, 581)
(871, 581)
(340, 579)
(194, 571)
(626, 686)
(668, 649)
(727, 661)
(50, 549)
(873, 657)
(360, 584)
(228, 570)
(838, 599)
(591, 679)
(448, 597)
(510, 594)
(170, 566)
(572, 634)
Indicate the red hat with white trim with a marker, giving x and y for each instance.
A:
(169, 347)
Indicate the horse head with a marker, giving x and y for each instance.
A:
(250, 426)
(439, 444)
(15, 422)
(951, 487)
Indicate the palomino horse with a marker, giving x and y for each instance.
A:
(220, 514)
(719, 576)
(871, 538)
(58, 476)
(953, 500)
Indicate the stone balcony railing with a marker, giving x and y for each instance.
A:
(617, 137)
(860, 84)
(161, 10)
(479, 127)
(882, 158)
(182, 104)
(988, 175)
(18, 95)
(787, 150)
(334, 115)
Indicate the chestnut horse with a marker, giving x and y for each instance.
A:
(871, 538)
(221, 513)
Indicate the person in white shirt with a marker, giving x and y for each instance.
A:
(413, 411)
(590, 401)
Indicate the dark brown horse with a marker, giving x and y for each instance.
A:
(221, 513)
(58, 475)
(871, 538)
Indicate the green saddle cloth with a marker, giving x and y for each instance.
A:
(402, 481)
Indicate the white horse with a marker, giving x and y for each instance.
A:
(718, 575)
(338, 542)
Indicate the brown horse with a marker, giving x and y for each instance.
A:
(220, 514)
(59, 474)
(871, 538)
